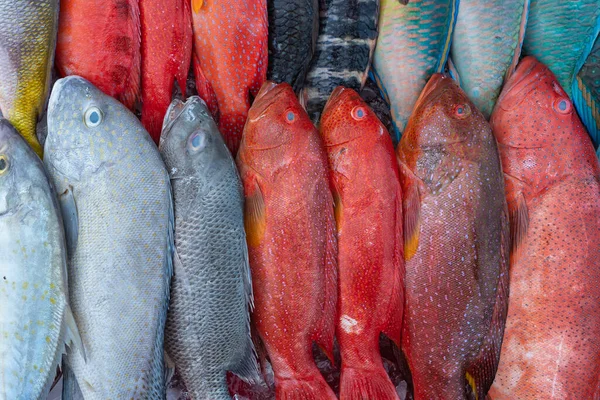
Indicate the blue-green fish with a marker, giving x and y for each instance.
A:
(486, 46)
(414, 42)
(586, 93)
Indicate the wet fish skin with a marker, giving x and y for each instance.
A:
(28, 36)
(343, 53)
(586, 93)
(293, 31)
(551, 344)
(211, 282)
(486, 46)
(456, 249)
(371, 94)
(290, 230)
(104, 49)
(368, 210)
(166, 53)
(414, 42)
(119, 224)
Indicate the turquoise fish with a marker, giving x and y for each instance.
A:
(586, 93)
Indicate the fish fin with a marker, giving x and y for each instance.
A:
(72, 336)
(188, 44)
(411, 209)
(206, 91)
(359, 384)
(169, 368)
(71, 390)
(134, 81)
(588, 108)
(453, 71)
(197, 5)
(70, 216)
(517, 209)
(255, 219)
(521, 38)
(311, 387)
(447, 41)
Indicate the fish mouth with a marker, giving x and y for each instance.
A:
(175, 110)
(437, 80)
(267, 96)
(338, 96)
(522, 82)
(265, 89)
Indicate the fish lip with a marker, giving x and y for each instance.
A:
(166, 129)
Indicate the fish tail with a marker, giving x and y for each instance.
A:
(247, 367)
(71, 390)
(588, 108)
(133, 83)
(358, 384)
(311, 387)
(448, 39)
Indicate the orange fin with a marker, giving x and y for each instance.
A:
(254, 215)
(517, 210)
(205, 90)
(197, 5)
(411, 207)
(359, 384)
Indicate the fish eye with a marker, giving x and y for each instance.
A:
(358, 113)
(462, 111)
(198, 141)
(93, 117)
(562, 105)
(3, 164)
(290, 117)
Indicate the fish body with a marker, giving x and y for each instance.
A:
(486, 46)
(293, 31)
(371, 94)
(291, 237)
(100, 41)
(414, 42)
(211, 279)
(231, 59)
(586, 93)
(456, 245)
(35, 318)
(368, 210)
(560, 34)
(166, 53)
(347, 36)
(28, 37)
(117, 210)
(551, 344)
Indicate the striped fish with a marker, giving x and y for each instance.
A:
(347, 36)
(486, 46)
(414, 41)
(586, 93)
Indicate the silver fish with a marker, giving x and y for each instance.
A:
(208, 325)
(35, 318)
(117, 207)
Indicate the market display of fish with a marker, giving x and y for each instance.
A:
(291, 237)
(456, 247)
(35, 317)
(345, 45)
(117, 209)
(28, 37)
(211, 279)
(414, 42)
(486, 47)
(587, 95)
(368, 211)
(551, 344)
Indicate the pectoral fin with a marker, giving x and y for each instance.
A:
(70, 216)
(72, 336)
(411, 208)
(255, 216)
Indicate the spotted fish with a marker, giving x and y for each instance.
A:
(586, 93)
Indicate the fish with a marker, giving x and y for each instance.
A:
(560, 34)
(291, 235)
(211, 279)
(117, 208)
(35, 318)
(293, 31)
(230, 62)
(368, 210)
(166, 54)
(372, 96)
(551, 343)
(456, 245)
(586, 96)
(101, 42)
(486, 47)
(28, 37)
(414, 42)
(343, 53)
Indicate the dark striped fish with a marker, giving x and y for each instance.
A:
(586, 93)
(347, 36)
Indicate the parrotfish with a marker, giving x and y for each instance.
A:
(100, 41)
(587, 95)
(28, 38)
(486, 47)
(231, 56)
(35, 317)
(551, 346)
(368, 211)
(293, 31)
(208, 324)
(291, 235)
(345, 45)
(166, 52)
(414, 42)
(117, 208)
(457, 243)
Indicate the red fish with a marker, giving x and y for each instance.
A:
(100, 41)
(368, 211)
(290, 230)
(231, 55)
(551, 346)
(457, 241)
(166, 56)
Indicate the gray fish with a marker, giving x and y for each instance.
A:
(347, 36)
(35, 318)
(208, 325)
(117, 208)
(293, 30)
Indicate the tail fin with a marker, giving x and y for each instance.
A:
(309, 388)
(356, 384)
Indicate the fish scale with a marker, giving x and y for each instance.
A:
(586, 93)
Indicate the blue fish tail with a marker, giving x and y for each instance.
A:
(588, 108)
(441, 64)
